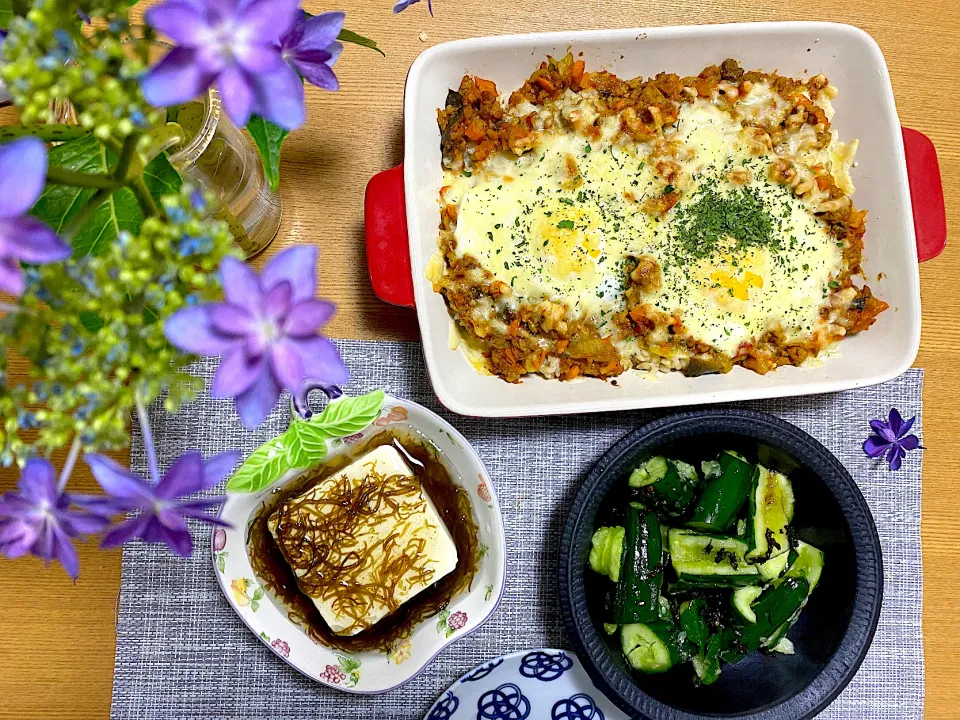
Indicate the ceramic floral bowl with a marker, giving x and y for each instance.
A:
(281, 460)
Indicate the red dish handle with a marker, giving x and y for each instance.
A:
(388, 246)
(926, 194)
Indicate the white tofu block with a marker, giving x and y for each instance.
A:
(380, 536)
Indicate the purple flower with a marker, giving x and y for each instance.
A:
(23, 171)
(266, 332)
(235, 44)
(38, 518)
(402, 5)
(163, 511)
(891, 438)
(310, 47)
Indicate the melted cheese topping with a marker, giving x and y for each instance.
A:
(559, 222)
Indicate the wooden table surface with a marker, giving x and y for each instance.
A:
(57, 651)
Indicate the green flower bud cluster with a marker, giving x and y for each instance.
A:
(93, 329)
(51, 56)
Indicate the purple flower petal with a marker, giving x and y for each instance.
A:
(896, 422)
(287, 364)
(298, 266)
(240, 285)
(278, 96)
(910, 442)
(117, 481)
(11, 279)
(17, 537)
(895, 456)
(322, 361)
(198, 511)
(23, 170)
(184, 477)
(64, 552)
(182, 22)
(38, 482)
(178, 78)
(216, 468)
(905, 426)
(30, 240)
(190, 330)
(255, 404)
(102, 506)
(305, 318)
(237, 373)
(231, 319)
(237, 92)
(176, 538)
(315, 68)
(314, 33)
(77, 523)
(268, 20)
(125, 531)
(258, 58)
(875, 446)
(277, 301)
(402, 5)
(882, 429)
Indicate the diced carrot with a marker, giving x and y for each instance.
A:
(444, 190)
(562, 345)
(824, 181)
(514, 327)
(487, 86)
(546, 84)
(576, 72)
(475, 130)
(572, 372)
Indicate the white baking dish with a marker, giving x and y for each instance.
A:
(402, 209)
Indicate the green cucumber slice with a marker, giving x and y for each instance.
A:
(644, 648)
(723, 496)
(743, 598)
(606, 551)
(769, 510)
(701, 558)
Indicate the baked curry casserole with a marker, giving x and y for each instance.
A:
(592, 225)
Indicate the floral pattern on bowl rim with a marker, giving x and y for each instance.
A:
(369, 672)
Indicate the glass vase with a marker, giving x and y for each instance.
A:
(217, 155)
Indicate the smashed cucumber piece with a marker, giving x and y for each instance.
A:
(606, 553)
(769, 511)
(644, 649)
(774, 567)
(743, 599)
(669, 485)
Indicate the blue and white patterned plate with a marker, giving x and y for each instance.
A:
(534, 684)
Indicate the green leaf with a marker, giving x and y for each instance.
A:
(254, 605)
(265, 466)
(91, 321)
(268, 138)
(60, 203)
(258, 594)
(304, 443)
(221, 563)
(348, 415)
(307, 445)
(348, 664)
(6, 13)
(352, 37)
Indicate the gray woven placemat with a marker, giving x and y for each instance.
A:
(183, 653)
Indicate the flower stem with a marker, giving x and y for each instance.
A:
(67, 469)
(147, 204)
(86, 212)
(43, 131)
(121, 171)
(63, 176)
(148, 441)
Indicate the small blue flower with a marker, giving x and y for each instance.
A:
(891, 438)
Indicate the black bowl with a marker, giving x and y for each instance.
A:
(835, 629)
